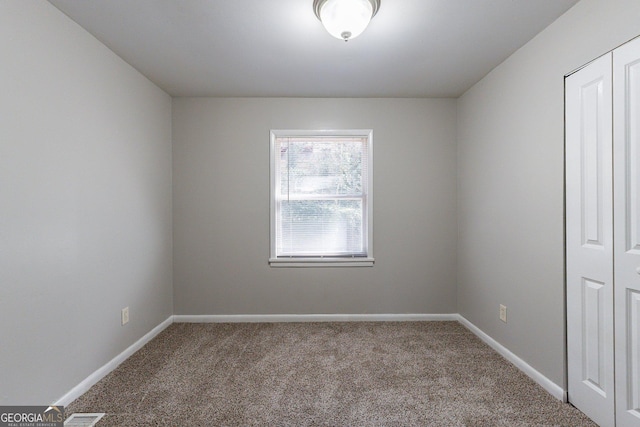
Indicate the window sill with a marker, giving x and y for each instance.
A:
(321, 262)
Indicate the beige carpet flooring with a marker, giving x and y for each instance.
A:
(321, 374)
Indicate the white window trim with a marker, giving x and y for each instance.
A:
(367, 261)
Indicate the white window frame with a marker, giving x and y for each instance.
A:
(360, 261)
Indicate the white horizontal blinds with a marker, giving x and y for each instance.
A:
(321, 191)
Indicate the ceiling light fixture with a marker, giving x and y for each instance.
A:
(345, 19)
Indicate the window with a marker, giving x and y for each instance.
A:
(321, 198)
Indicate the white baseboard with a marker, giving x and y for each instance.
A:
(272, 318)
(92, 379)
(551, 387)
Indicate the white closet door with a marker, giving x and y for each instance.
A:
(626, 69)
(590, 241)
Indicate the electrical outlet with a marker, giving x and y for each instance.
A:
(125, 316)
(503, 313)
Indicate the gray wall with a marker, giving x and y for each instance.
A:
(85, 204)
(221, 208)
(511, 188)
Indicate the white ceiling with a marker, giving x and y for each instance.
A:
(412, 48)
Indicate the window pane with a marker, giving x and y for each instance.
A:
(319, 166)
(321, 195)
(321, 227)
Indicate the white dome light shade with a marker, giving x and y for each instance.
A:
(346, 19)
